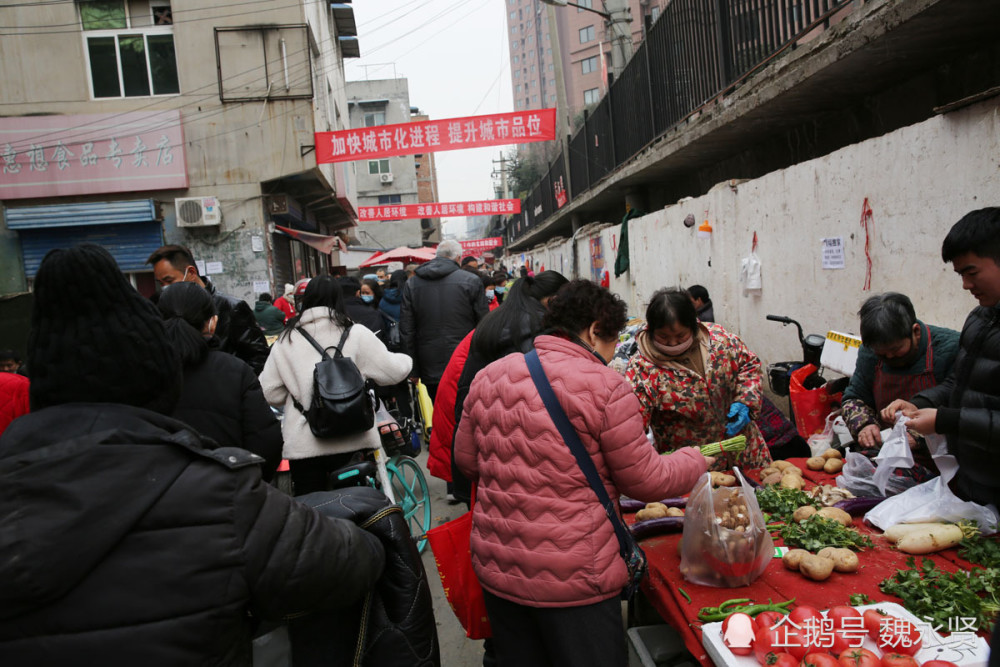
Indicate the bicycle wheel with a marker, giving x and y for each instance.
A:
(410, 488)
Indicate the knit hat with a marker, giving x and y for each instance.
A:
(94, 339)
(289, 289)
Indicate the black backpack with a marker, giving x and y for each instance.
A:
(393, 340)
(342, 403)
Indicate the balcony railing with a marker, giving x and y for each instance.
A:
(695, 51)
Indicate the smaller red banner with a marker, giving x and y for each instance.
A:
(438, 209)
(482, 244)
(430, 136)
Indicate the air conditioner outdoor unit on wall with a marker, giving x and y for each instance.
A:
(385, 178)
(197, 212)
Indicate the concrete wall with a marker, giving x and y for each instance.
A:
(919, 180)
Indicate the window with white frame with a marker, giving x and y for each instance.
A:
(581, 5)
(587, 34)
(129, 47)
(373, 118)
(378, 167)
(592, 96)
(589, 65)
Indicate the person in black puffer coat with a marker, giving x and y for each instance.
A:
(221, 396)
(365, 314)
(124, 537)
(441, 305)
(966, 406)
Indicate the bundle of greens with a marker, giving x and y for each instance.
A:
(781, 503)
(940, 597)
(980, 550)
(818, 532)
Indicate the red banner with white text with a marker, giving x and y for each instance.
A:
(482, 244)
(430, 136)
(438, 209)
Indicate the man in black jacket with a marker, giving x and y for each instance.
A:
(127, 539)
(360, 312)
(966, 406)
(441, 304)
(237, 330)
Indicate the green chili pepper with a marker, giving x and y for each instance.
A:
(684, 593)
(728, 604)
(720, 613)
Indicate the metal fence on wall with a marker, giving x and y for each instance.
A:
(695, 51)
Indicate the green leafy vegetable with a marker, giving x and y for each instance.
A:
(980, 550)
(859, 599)
(938, 596)
(818, 532)
(781, 503)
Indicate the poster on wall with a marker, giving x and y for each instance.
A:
(596, 259)
(833, 253)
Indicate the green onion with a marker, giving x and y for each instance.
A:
(684, 593)
(737, 444)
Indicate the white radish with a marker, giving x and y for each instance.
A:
(931, 540)
(895, 533)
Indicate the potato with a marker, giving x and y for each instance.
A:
(773, 478)
(832, 454)
(826, 552)
(816, 568)
(837, 514)
(792, 559)
(675, 511)
(792, 470)
(768, 471)
(781, 465)
(722, 479)
(844, 560)
(815, 463)
(803, 513)
(648, 512)
(790, 481)
(833, 466)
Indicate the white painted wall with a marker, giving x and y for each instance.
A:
(919, 181)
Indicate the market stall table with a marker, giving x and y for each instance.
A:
(664, 581)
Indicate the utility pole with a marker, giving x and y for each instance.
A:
(504, 187)
(619, 18)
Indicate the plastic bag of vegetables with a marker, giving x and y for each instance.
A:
(930, 502)
(725, 541)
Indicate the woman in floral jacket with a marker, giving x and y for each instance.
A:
(696, 382)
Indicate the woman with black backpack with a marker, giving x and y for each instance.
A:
(288, 381)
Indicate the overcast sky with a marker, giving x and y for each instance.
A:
(454, 55)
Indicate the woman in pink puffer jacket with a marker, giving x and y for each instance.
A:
(542, 546)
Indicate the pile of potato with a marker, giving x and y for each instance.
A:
(657, 511)
(835, 513)
(831, 461)
(722, 479)
(820, 566)
(732, 512)
(784, 474)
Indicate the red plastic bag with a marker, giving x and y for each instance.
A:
(811, 406)
(450, 544)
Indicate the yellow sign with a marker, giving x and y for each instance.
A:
(846, 341)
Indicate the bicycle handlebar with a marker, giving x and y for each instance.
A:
(780, 318)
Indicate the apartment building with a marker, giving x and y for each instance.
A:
(133, 123)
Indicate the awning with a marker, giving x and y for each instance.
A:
(404, 255)
(325, 244)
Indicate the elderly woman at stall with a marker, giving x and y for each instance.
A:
(696, 382)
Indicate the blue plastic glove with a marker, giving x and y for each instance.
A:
(739, 417)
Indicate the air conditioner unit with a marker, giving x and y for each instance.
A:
(197, 212)
(385, 178)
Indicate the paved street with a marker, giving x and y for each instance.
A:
(456, 649)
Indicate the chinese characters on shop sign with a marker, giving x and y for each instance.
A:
(438, 210)
(44, 156)
(481, 244)
(519, 127)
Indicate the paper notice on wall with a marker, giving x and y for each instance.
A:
(213, 268)
(257, 243)
(833, 252)
(261, 286)
(200, 263)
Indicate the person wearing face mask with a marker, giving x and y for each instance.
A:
(489, 285)
(696, 382)
(500, 282)
(371, 292)
(361, 311)
(542, 545)
(899, 357)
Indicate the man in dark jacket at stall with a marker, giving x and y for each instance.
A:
(966, 406)
(124, 537)
(238, 331)
(702, 303)
(441, 304)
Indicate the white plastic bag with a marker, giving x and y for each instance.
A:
(895, 453)
(750, 269)
(857, 475)
(820, 442)
(933, 500)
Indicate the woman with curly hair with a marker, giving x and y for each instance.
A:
(696, 382)
(542, 546)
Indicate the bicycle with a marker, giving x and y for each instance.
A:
(392, 470)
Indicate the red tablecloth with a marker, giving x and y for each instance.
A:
(777, 583)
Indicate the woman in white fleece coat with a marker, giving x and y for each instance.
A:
(288, 373)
